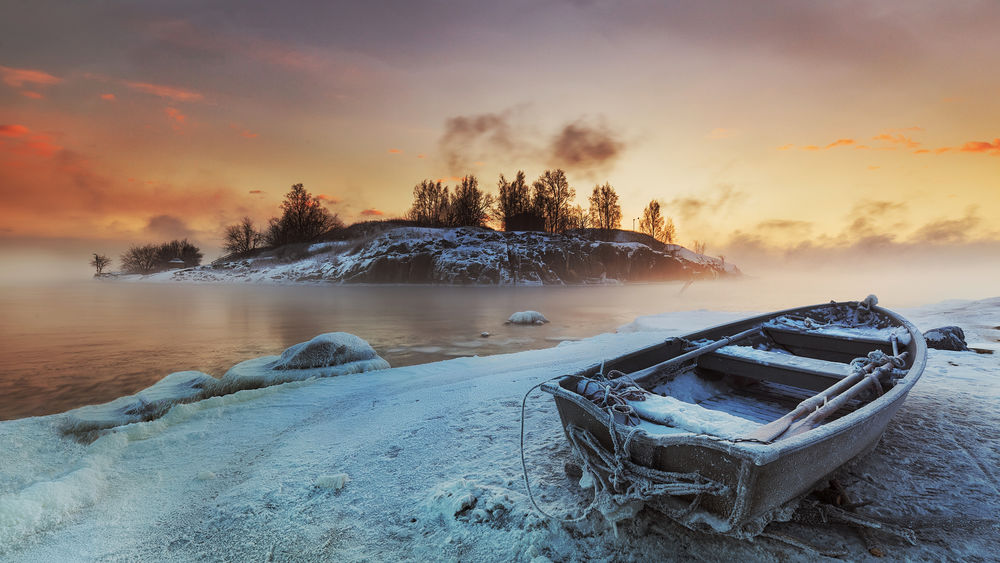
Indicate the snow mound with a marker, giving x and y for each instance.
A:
(147, 404)
(527, 318)
(468, 501)
(334, 482)
(325, 350)
(327, 355)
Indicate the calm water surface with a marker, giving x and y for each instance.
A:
(63, 346)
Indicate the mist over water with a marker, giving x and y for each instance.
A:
(63, 345)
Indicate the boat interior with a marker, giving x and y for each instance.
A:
(764, 375)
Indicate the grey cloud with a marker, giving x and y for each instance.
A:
(168, 226)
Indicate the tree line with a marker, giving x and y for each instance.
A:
(544, 205)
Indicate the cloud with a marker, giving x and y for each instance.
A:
(168, 227)
(840, 143)
(982, 146)
(18, 77)
(176, 115)
(465, 134)
(328, 198)
(691, 208)
(246, 134)
(785, 226)
(176, 94)
(109, 97)
(372, 213)
(948, 231)
(32, 95)
(897, 139)
(255, 192)
(13, 130)
(421, 156)
(395, 151)
(720, 133)
(581, 146)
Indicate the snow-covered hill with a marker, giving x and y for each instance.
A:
(466, 256)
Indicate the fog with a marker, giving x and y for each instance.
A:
(73, 340)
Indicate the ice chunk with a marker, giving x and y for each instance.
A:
(327, 355)
(330, 349)
(148, 404)
(527, 318)
(335, 481)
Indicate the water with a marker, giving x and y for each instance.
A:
(67, 345)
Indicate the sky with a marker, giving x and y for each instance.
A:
(789, 130)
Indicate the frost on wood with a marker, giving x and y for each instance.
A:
(527, 318)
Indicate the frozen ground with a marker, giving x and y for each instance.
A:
(421, 463)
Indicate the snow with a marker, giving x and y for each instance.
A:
(431, 452)
(327, 355)
(527, 318)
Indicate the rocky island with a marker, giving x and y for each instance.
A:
(465, 255)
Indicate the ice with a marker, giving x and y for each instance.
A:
(327, 355)
(527, 318)
(432, 454)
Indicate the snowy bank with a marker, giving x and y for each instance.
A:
(434, 474)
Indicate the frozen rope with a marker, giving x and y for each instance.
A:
(524, 467)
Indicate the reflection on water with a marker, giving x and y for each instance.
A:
(63, 346)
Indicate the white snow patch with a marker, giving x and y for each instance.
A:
(527, 318)
(335, 481)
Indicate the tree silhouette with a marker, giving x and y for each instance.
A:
(605, 213)
(469, 205)
(514, 199)
(651, 222)
(430, 204)
(100, 262)
(552, 196)
(303, 218)
(669, 232)
(242, 237)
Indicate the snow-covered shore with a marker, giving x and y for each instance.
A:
(431, 457)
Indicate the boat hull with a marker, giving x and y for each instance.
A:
(758, 478)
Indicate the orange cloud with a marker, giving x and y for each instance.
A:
(786, 147)
(395, 151)
(176, 94)
(18, 77)
(247, 134)
(982, 146)
(942, 150)
(922, 151)
(176, 115)
(109, 97)
(372, 212)
(840, 143)
(898, 139)
(720, 133)
(13, 130)
(810, 148)
(256, 192)
(32, 95)
(449, 179)
(421, 155)
(328, 198)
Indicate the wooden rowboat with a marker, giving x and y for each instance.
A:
(725, 427)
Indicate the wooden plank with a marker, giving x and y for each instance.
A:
(796, 371)
(839, 348)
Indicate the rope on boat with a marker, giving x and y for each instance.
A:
(876, 364)
(524, 466)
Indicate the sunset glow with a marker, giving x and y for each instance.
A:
(780, 128)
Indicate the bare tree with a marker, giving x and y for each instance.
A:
(242, 237)
(552, 196)
(140, 259)
(578, 218)
(605, 212)
(514, 199)
(669, 232)
(699, 247)
(303, 218)
(470, 207)
(100, 262)
(651, 222)
(430, 204)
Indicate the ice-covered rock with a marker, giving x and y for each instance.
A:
(327, 355)
(527, 318)
(147, 404)
(946, 338)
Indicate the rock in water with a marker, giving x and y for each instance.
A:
(325, 350)
(527, 318)
(946, 338)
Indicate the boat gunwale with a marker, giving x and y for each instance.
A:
(761, 453)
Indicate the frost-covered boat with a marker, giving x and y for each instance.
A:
(723, 428)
